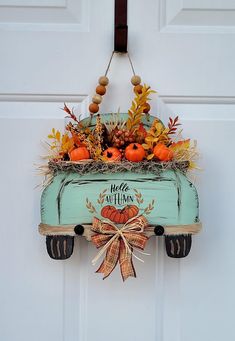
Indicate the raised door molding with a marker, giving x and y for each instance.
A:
(202, 16)
(41, 106)
(44, 15)
(34, 3)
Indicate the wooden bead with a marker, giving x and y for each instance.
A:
(100, 90)
(97, 99)
(138, 89)
(103, 80)
(136, 80)
(93, 108)
(147, 108)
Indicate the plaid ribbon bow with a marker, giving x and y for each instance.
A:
(118, 243)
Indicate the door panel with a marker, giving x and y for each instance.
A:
(53, 52)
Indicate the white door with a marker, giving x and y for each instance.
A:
(54, 51)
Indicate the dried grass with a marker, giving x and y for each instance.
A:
(96, 167)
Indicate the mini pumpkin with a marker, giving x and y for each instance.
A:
(162, 152)
(80, 153)
(112, 154)
(134, 152)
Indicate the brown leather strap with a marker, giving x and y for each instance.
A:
(120, 28)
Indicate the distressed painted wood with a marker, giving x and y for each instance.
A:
(147, 120)
(68, 198)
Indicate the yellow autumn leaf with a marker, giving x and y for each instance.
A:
(145, 146)
(65, 146)
(65, 138)
(150, 156)
(57, 136)
(151, 132)
(192, 165)
(137, 108)
(67, 143)
(159, 127)
(149, 139)
(50, 136)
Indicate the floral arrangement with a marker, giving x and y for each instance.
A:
(119, 140)
(135, 142)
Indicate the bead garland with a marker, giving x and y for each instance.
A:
(100, 91)
(104, 81)
(136, 81)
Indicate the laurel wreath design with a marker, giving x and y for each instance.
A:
(90, 207)
(101, 198)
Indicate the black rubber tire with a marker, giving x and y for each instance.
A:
(178, 246)
(59, 247)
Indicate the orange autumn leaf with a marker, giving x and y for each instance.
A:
(180, 145)
(185, 150)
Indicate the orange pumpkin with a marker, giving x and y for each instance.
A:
(80, 153)
(162, 152)
(134, 152)
(112, 154)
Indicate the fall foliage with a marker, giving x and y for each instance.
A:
(155, 140)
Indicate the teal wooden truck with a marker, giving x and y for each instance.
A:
(165, 196)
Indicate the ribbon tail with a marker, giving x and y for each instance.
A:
(101, 269)
(111, 259)
(126, 263)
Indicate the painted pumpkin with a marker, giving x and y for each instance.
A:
(112, 154)
(134, 152)
(131, 210)
(162, 152)
(106, 211)
(119, 216)
(80, 153)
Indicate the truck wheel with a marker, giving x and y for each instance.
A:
(59, 247)
(178, 246)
